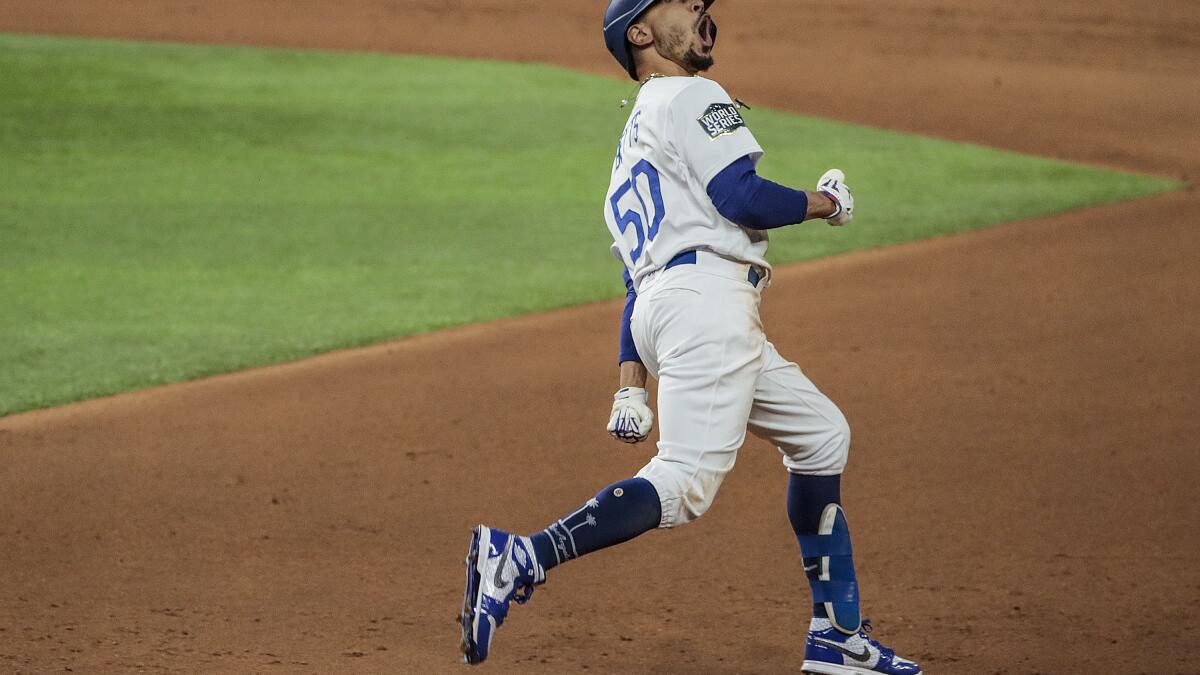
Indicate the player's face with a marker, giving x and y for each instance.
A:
(683, 32)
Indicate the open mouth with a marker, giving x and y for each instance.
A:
(707, 30)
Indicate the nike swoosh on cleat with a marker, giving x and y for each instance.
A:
(862, 658)
(499, 578)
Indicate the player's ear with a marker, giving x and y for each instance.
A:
(639, 35)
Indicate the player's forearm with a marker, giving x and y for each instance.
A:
(633, 374)
(820, 205)
(745, 198)
(628, 350)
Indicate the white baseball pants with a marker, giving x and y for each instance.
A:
(698, 331)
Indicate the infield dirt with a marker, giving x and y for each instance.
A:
(1023, 483)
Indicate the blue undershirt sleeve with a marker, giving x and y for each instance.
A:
(750, 200)
(628, 349)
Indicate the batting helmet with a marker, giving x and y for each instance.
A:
(620, 15)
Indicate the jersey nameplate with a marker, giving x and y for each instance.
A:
(720, 119)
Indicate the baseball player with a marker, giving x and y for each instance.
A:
(689, 217)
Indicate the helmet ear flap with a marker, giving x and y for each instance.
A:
(632, 67)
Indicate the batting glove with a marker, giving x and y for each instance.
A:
(631, 419)
(833, 185)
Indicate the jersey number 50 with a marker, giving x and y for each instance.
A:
(643, 177)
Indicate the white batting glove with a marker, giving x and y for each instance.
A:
(833, 185)
(631, 420)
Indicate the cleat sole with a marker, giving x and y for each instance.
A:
(821, 668)
(470, 597)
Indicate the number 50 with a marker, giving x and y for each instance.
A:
(638, 218)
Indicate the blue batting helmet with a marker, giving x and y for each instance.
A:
(619, 16)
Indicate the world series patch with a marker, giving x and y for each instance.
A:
(720, 119)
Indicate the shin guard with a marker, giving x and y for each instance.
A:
(829, 564)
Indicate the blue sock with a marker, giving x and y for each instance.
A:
(810, 499)
(618, 513)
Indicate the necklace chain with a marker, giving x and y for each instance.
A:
(651, 76)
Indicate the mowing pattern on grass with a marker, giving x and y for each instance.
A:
(172, 211)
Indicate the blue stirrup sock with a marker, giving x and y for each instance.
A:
(616, 514)
(815, 511)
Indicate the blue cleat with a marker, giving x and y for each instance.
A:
(832, 652)
(501, 568)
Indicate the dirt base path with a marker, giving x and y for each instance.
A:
(1023, 484)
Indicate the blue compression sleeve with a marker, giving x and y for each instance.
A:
(619, 513)
(750, 200)
(628, 349)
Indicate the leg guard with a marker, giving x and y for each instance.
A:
(829, 564)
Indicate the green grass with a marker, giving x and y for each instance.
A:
(170, 211)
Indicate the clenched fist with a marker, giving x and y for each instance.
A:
(631, 420)
(833, 185)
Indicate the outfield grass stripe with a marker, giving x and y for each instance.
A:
(171, 211)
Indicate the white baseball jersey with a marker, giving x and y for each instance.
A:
(682, 132)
